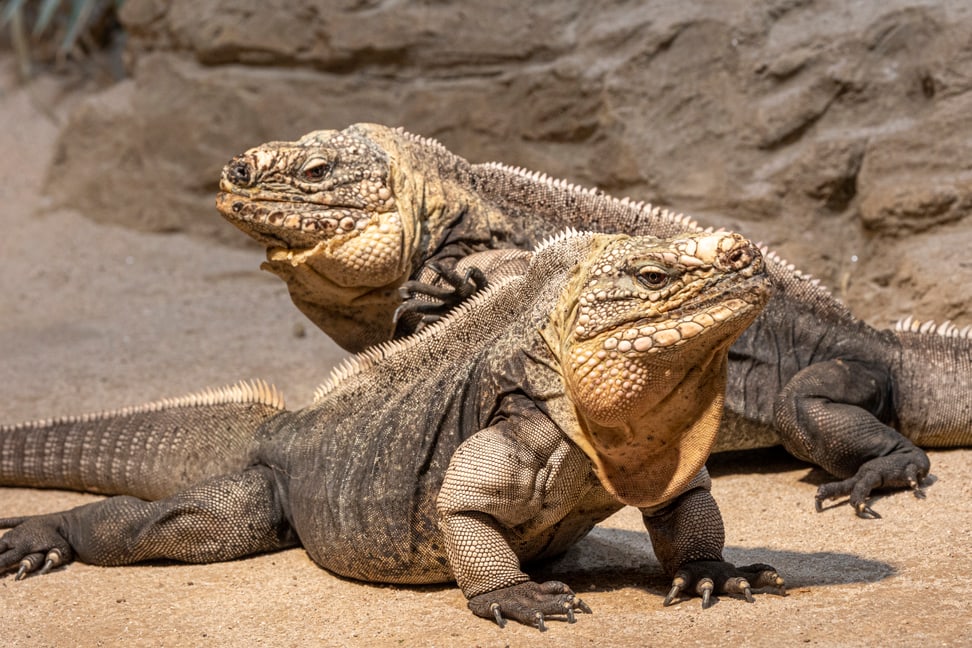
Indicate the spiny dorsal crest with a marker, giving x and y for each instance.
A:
(772, 257)
(944, 329)
(682, 221)
(649, 210)
(245, 392)
(359, 362)
(422, 140)
(570, 232)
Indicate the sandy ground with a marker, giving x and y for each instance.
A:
(94, 317)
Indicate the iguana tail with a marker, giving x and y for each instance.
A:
(933, 384)
(150, 451)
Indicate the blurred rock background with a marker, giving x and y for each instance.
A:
(840, 133)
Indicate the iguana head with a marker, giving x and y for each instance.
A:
(328, 208)
(644, 338)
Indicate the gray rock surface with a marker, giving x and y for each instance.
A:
(837, 132)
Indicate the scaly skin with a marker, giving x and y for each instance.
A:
(834, 391)
(501, 434)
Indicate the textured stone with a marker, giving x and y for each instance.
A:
(837, 132)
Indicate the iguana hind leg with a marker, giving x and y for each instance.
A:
(219, 519)
(831, 414)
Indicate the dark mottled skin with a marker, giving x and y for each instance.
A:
(834, 391)
(454, 454)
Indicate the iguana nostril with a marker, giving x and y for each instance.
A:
(237, 207)
(239, 173)
(739, 257)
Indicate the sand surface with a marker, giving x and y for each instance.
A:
(94, 317)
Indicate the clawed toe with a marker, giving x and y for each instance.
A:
(906, 469)
(33, 546)
(529, 603)
(717, 577)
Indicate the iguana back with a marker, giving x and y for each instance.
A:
(350, 216)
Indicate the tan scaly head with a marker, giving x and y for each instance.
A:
(328, 209)
(643, 344)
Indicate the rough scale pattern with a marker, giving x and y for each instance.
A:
(456, 454)
(878, 397)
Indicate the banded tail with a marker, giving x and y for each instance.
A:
(933, 383)
(149, 451)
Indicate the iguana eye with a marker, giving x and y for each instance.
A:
(315, 169)
(653, 277)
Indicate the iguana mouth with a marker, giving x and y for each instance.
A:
(289, 224)
(740, 298)
(679, 327)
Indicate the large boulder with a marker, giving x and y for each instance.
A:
(836, 132)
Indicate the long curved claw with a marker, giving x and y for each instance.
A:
(678, 584)
(28, 564)
(53, 559)
(424, 303)
(541, 626)
(739, 585)
(24, 569)
(906, 468)
(914, 481)
(498, 615)
(529, 603)
(33, 545)
(865, 512)
(718, 577)
(704, 589)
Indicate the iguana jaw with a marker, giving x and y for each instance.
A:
(273, 220)
(646, 367)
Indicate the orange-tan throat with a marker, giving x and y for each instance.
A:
(644, 348)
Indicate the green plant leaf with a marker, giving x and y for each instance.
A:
(48, 7)
(10, 7)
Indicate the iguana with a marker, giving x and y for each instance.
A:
(500, 434)
(350, 216)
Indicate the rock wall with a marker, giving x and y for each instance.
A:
(840, 133)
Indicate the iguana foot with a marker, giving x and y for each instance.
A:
(529, 603)
(705, 577)
(33, 545)
(428, 302)
(903, 469)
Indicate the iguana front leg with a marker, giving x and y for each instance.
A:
(440, 287)
(425, 301)
(828, 414)
(219, 519)
(688, 536)
(505, 487)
